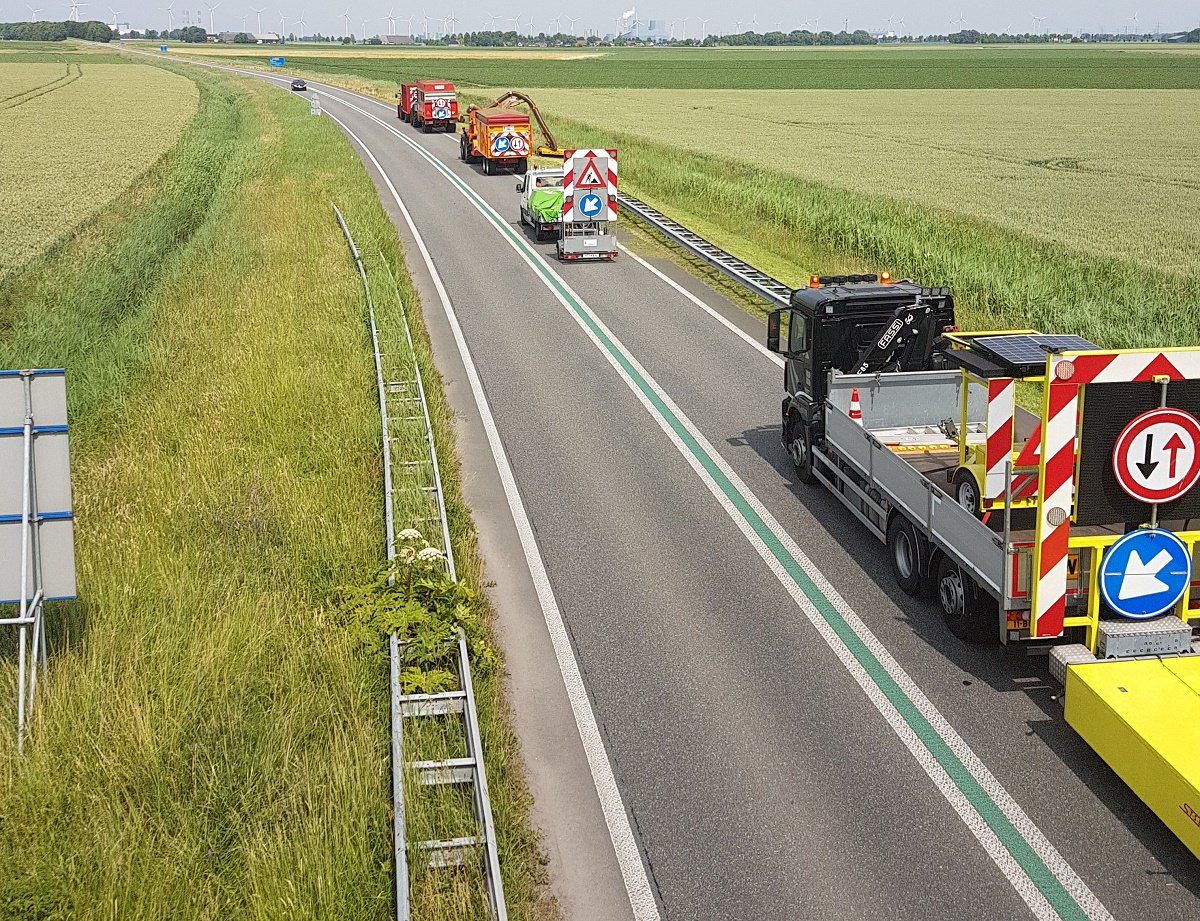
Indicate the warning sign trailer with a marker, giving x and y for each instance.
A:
(1076, 527)
(589, 205)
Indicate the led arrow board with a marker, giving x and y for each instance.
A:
(1145, 573)
(1157, 456)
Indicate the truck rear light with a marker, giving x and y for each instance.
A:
(1017, 620)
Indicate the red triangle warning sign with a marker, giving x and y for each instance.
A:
(590, 178)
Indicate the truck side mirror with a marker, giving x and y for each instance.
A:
(520, 185)
(777, 329)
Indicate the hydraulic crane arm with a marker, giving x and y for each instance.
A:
(510, 100)
(893, 349)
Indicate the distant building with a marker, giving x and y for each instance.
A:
(1176, 38)
(264, 38)
(397, 39)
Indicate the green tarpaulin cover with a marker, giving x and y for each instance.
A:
(547, 204)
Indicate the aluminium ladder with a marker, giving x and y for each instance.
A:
(468, 770)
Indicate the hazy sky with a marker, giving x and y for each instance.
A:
(920, 16)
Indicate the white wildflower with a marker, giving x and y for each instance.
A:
(429, 555)
(409, 534)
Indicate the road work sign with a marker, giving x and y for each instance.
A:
(589, 185)
(1157, 456)
(1145, 573)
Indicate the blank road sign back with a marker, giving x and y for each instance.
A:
(51, 471)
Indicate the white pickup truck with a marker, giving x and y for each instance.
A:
(540, 180)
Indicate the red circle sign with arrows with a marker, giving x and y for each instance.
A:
(1157, 457)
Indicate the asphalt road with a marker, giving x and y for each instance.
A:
(760, 778)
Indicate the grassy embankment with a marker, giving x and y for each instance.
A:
(1069, 270)
(212, 741)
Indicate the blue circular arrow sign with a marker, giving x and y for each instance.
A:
(590, 205)
(1145, 573)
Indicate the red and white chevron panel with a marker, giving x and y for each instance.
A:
(1127, 367)
(1001, 405)
(1054, 512)
(574, 164)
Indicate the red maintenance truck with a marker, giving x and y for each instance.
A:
(433, 106)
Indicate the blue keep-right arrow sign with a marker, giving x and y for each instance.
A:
(1145, 573)
(590, 205)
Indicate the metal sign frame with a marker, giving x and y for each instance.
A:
(37, 543)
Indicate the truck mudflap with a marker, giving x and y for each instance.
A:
(576, 247)
(1140, 716)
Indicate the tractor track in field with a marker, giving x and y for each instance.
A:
(19, 99)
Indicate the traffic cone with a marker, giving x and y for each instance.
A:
(855, 407)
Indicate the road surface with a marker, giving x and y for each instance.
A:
(726, 715)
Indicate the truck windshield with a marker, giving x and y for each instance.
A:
(548, 182)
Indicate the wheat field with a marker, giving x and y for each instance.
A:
(1102, 172)
(69, 151)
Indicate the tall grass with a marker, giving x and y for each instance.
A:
(1001, 279)
(211, 743)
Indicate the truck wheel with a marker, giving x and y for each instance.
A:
(904, 554)
(966, 490)
(426, 128)
(799, 446)
(970, 613)
(522, 167)
(462, 149)
(487, 167)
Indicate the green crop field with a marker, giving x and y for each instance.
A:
(81, 134)
(759, 68)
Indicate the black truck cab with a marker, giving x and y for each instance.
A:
(855, 324)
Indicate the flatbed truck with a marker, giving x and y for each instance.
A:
(1011, 519)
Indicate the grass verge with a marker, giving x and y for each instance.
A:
(212, 742)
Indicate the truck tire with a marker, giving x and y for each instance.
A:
(966, 491)
(426, 128)
(799, 447)
(522, 167)
(487, 167)
(906, 554)
(970, 613)
(462, 149)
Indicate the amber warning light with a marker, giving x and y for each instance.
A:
(814, 281)
(885, 278)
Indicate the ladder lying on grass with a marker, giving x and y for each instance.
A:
(451, 852)
(406, 395)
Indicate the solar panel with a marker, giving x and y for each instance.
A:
(1029, 350)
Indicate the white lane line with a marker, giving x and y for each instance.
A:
(623, 361)
(711, 311)
(629, 858)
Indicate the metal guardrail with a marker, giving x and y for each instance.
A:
(759, 283)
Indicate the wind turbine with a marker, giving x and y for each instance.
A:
(210, 17)
(409, 20)
(704, 27)
(453, 22)
(390, 19)
(557, 20)
(960, 22)
(572, 20)
(346, 16)
(301, 24)
(33, 13)
(283, 24)
(169, 9)
(1134, 20)
(1037, 20)
(260, 12)
(76, 6)
(532, 27)
(116, 14)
